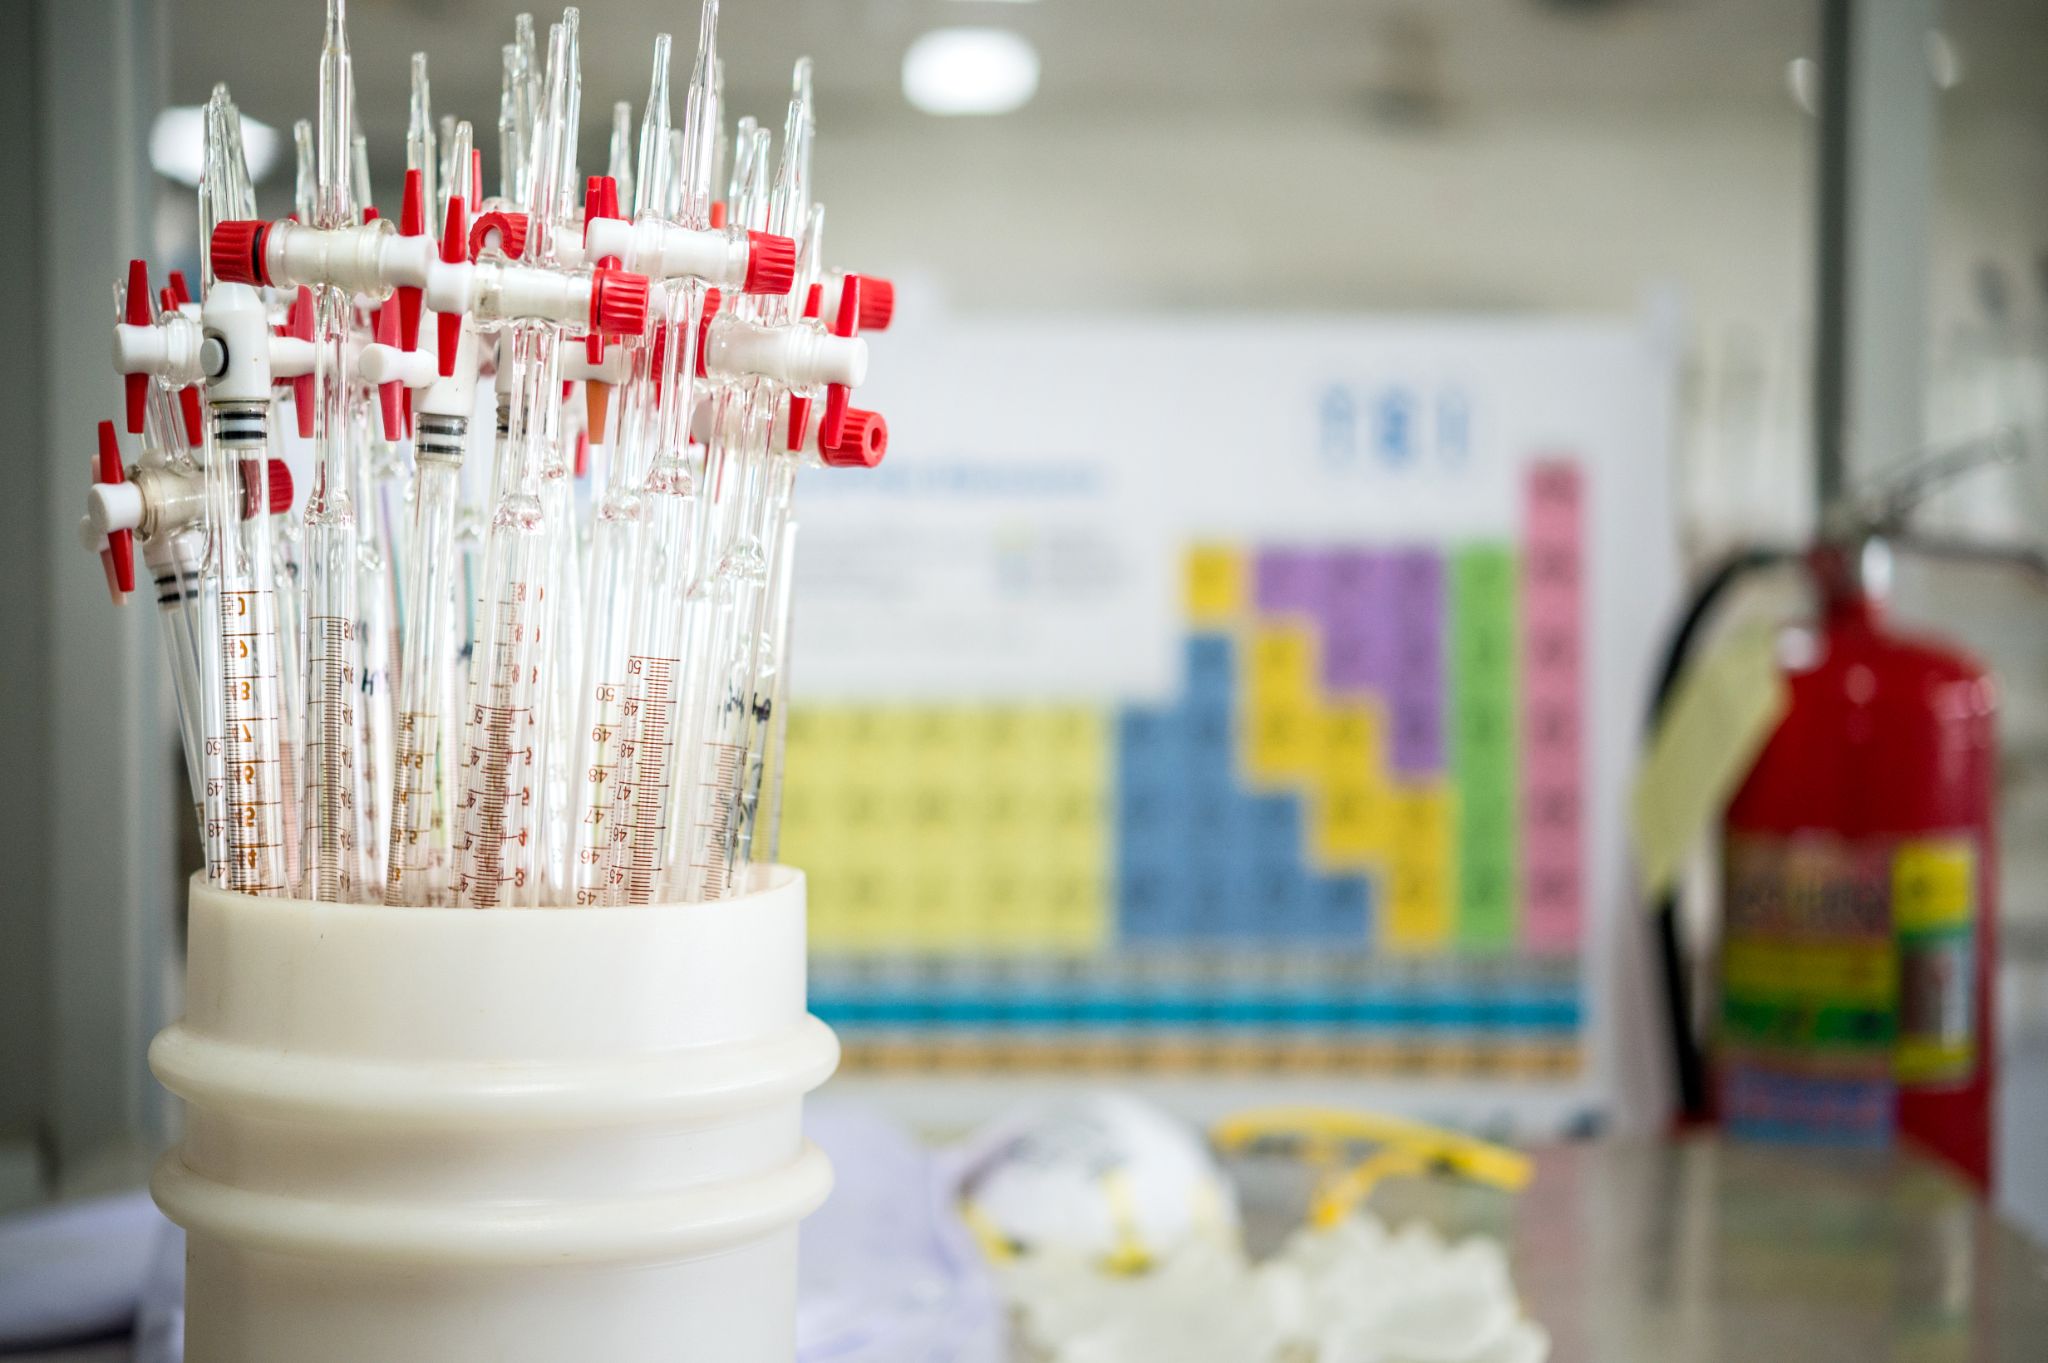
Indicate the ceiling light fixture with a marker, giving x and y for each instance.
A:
(970, 71)
(177, 144)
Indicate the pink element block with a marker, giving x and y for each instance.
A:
(1552, 773)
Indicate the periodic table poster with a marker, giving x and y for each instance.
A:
(1234, 709)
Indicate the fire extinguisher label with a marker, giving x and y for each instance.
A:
(1846, 971)
(1934, 915)
(1809, 990)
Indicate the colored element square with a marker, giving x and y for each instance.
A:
(1215, 586)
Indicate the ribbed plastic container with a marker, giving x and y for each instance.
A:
(496, 1136)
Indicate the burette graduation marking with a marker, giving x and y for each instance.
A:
(654, 698)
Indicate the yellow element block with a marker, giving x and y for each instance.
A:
(1283, 726)
(1217, 585)
(1351, 811)
(1283, 664)
(1353, 742)
(997, 734)
(1422, 875)
(1424, 821)
(1281, 741)
(951, 829)
(1934, 884)
(1351, 824)
(1064, 746)
(1419, 897)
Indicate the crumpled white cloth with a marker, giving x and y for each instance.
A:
(1356, 1293)
(887, 1270)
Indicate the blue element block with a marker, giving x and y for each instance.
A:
(1145, 734)
(1207, 779)
(1206, 906)
(1290, 902)
(1151, 900)
(1338, 909)
(1246, 906)
(1151, 810)
(1211, 667)
(1209, 732)
(1273, 827)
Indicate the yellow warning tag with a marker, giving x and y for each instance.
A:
(1726, 706)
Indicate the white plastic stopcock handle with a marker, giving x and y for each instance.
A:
(110, 507)
(168, 348)
(237, 344)
(664, 250)
(381, 363)
(369, 258)
(503, 291)
(801, 355)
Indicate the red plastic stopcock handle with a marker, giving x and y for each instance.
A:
(299, 323)
(277, 483)
(412, 222)
(387, 392)
(280, 487)
(120, 550)
(799, 420)
(135, 312)
(600, 200)
(618, 302)
(877, 303)
(771, 264)
(511, 229)
(236, 251)
(454, 250)
(846, 323)
(181, 292)
(863, 442)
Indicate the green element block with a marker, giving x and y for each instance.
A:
(1482, 732)
(1486, 899)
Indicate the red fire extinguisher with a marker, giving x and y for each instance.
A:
(1859, 939)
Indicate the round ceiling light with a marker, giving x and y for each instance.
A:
(970, 71)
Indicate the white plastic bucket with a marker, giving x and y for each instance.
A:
(444, 1135)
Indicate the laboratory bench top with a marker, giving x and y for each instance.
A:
(1701, 1250)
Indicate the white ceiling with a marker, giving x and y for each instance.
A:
(1559, 154)
(1262, 62)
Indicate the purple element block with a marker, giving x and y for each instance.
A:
(1415, 693)
(1358, 623)
(1291, 581)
